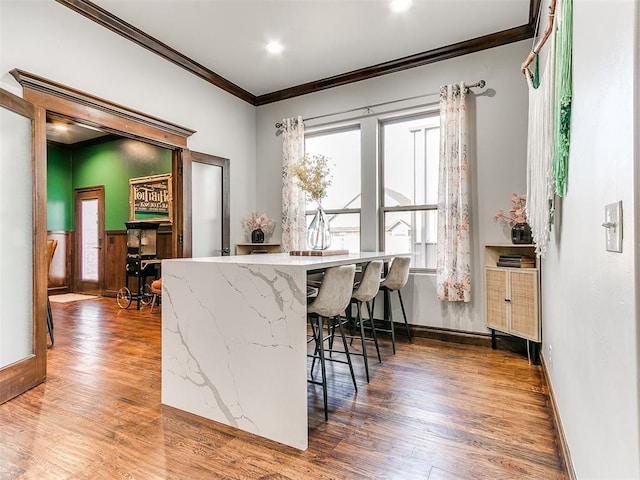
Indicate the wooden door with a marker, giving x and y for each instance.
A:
(497, 299)
(89, 233)
(524, 304)
(23, 272)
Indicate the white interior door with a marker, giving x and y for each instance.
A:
(206, 209)
(209, 205)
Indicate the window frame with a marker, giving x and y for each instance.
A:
(328, 130)
(382, 209)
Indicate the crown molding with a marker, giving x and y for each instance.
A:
(450, 51)
(128, 31)
(89, 102)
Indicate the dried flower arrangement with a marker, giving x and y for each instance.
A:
(258, 221)
(516, 214)
(313, 175)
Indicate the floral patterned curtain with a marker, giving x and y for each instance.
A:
(293, 199)
(453, 257)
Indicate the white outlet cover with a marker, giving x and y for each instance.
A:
(613, 216)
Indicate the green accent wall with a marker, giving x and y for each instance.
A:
(111, 164)
(59, 189)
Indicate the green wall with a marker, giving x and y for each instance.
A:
(59, 189)
(111, 164)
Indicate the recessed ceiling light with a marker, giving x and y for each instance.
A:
(399, 5)
(61, 128)
(274, 47)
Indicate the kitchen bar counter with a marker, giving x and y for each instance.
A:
(234, 339)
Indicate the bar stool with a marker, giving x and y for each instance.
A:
(394, 281)
(365, 292)
(156, 289)
(333, 298)
(51, 249)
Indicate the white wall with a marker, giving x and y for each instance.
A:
(50, 40)
(590, 296)
(498, 134)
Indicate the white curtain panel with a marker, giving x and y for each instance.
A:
(454, 256)
(293, 198)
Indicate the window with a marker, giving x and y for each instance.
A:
(409, 192)
(384, 193)
(343, 201)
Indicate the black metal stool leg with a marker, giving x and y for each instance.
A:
(404, 314)
(363, 340)
(346, 351)
(387, 296)
(373, 330)
(49, 320)
(322, 367)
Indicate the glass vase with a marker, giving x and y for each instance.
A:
(318, 233)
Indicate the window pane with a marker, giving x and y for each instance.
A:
(343, 149)
(90, 243)
(345, 230)
(16, 238)
(411, 149)
(414, 232)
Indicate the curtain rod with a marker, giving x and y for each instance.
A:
(280, 126)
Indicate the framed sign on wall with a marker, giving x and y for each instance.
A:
(150, 198)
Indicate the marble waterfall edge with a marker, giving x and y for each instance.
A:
(234, 346)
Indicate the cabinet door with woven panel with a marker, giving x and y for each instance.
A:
(523, 293)
(496, 300)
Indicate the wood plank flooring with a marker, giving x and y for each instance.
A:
(435, 410)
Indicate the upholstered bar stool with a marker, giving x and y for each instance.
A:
(51, 249)
(366, 291)
(395, 280)
(156, 290)
(333, 298)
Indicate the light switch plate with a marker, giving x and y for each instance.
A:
(613, 225)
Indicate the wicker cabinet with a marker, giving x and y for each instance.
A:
(512, 294)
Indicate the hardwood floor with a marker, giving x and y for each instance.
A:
(435, 410)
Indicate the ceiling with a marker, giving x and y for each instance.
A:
(326, 42)
(322, 39)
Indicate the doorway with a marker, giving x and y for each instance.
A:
(89, 228)
(209, 205)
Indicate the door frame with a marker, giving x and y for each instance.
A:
(99, 189)
(111, 117)
(25, 374)
(40, 96)
(223, 163)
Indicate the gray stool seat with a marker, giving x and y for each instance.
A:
(395, 280)
(333, 298)
(365, 292)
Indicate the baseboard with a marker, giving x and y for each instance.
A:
(565, 454)
(503, 342)
(57, 290)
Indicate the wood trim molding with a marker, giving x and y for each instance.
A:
(32, 82)
(130, 32)
(563, 446)
(431, 56)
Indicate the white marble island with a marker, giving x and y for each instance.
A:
(234, 340)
